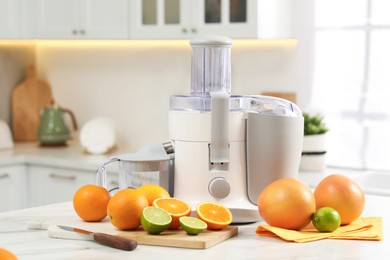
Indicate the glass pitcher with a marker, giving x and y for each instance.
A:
(152, 164)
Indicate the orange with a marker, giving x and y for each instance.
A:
(125, 209)
(342, 194)
(175, 207)
(214, 214)
(287, 203)
(90, 202)
(7, 255)
(152, 192)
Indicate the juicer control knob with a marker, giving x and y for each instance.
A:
(219, 188)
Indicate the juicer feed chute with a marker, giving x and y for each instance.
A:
(210, 67)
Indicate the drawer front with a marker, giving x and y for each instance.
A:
(13, 188)
(54, 185)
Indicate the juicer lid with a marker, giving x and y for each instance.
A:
(251, 104)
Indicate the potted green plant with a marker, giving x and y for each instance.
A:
(314, 125)
(313, 150)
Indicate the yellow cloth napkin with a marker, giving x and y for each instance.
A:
(363, 229)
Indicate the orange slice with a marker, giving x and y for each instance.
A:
(214, 214)
(175, 207)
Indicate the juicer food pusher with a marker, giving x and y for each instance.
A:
(227, 147)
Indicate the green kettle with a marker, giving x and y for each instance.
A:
(53, 130)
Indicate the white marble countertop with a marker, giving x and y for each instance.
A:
(71, 156)
(35, 244)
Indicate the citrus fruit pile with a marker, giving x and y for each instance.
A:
(289, 203)
(150, 206)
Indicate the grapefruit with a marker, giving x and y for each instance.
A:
(287, 203)
(342, 194)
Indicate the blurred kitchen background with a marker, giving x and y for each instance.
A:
(122, 59)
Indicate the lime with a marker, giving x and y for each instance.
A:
(326, 219)
(155, 220)
(192, 226)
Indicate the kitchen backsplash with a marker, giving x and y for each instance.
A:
(131, 81)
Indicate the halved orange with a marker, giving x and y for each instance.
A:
(214, 214)
(176, 208)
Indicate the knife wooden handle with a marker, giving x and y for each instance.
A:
(115, 241)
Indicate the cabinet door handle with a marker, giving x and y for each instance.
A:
(184, 30)
(74, 32)
(62, 177)
(82, 31)
(193, 30)
(4, 175)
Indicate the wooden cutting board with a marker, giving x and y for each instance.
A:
(169, 238)
(28, 98)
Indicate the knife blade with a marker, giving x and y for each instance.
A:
(106, 239)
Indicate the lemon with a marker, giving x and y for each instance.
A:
(192, 226)
(326, 219)
(155, 220)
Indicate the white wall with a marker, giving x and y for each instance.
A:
(130, 82)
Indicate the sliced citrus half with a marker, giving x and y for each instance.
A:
(214, 214)
(192, 226)
(175, 207)
(155, 220)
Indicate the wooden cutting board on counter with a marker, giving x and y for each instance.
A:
(169, 238)
(28, 98)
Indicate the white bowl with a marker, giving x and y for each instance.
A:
(98, 135)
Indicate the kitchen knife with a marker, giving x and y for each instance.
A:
(106, 239)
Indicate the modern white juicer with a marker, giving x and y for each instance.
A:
(227, 148)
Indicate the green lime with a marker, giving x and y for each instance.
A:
(192, 226)
(155, 220)
(326, 219)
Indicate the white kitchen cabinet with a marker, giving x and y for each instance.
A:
(13, 187)
(169, 19)
(81, 19)
(53, 185)
(10, 19)
(160, 19)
